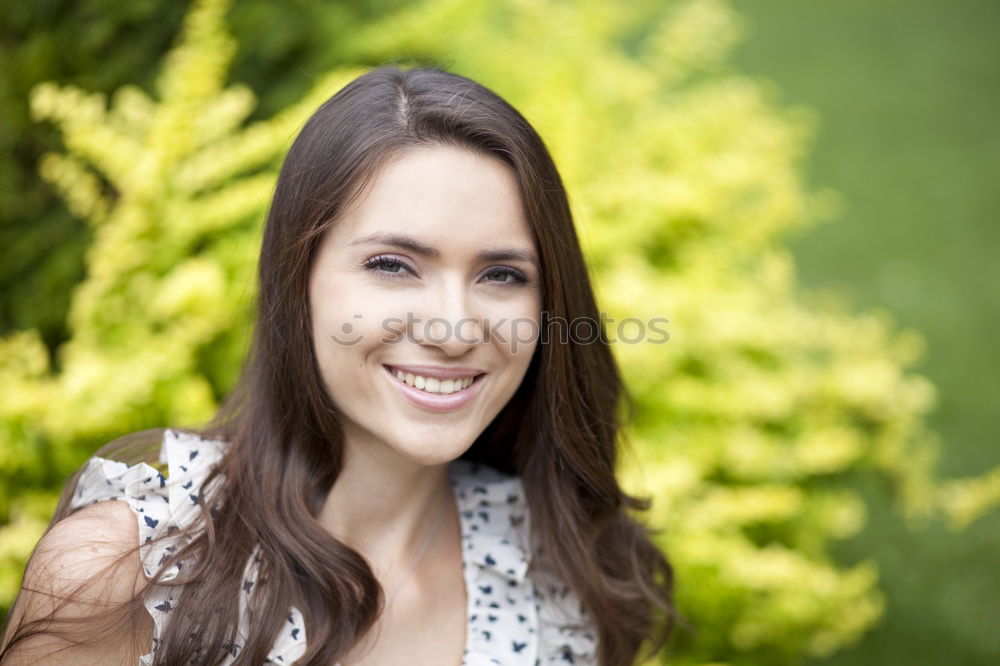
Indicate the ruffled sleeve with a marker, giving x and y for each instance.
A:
(163, 505)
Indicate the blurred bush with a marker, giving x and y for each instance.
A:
(684, 178)
(101, 45)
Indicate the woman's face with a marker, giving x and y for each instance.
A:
(431, 273)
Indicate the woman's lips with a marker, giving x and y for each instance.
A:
(436, 402)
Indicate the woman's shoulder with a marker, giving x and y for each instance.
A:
(84, 565)
(87, 546)
(157, 505)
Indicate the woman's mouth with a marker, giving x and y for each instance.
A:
(436, 394)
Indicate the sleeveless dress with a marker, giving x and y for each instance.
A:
(517, 615)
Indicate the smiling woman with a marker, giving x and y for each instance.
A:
(400, 475)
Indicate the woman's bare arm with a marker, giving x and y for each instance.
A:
(72, 575)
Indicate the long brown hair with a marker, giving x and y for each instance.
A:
(559, 432)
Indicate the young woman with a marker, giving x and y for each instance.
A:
(416, 467)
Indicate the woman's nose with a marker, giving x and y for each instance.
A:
(448, 321)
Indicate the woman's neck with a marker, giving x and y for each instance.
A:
(384, 506)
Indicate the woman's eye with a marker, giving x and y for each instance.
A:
(508, 276)
(390, 266)
(385, 266)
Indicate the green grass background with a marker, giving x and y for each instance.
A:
(908, 95)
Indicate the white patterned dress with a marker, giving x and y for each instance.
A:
(516, 615)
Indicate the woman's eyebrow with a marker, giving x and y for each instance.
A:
(415, 246)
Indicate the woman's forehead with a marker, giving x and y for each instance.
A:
(438, 196)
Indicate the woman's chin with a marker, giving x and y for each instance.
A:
(434, 446)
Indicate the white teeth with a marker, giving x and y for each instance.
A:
(432, 384)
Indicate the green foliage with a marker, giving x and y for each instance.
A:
(92, 44)
(684, 177)
(99, 46)
(173, 191)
